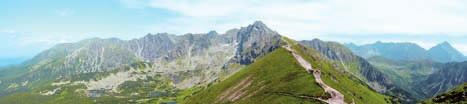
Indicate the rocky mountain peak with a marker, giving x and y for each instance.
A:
(259, 26)
(256, 30)
(378, 42)
(316, 40)
(444, 52)
(156, 36)
(212, 33)
(444, 44)
(255, 40)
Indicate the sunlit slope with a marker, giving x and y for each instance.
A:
(274, 78)
(278, 78)
(354, 90)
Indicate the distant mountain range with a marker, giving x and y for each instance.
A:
(424, 73)
(359, 67)
(442, 52)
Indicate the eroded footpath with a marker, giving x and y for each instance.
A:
(336, 96)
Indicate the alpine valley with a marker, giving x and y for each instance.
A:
(247, 65)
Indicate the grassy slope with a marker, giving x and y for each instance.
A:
(353, 89)
(277, 72)
(280, 65)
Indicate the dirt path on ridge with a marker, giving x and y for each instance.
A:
(336, 96)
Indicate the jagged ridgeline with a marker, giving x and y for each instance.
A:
(245, 65)
(422, 73)
(278, 78)
(154, 68)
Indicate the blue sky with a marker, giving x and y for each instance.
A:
(28, 27)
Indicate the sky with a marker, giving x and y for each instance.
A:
(28, 27)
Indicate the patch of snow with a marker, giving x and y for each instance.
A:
(51, 92)
(13, 85)
(60, 83)
(25, 83)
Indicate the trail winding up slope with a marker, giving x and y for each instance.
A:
(336, 96)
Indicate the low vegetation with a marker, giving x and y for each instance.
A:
(455, 95)
(354, 90)
(274, 78)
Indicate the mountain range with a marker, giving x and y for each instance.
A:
(359, 67)
(442, 52)
(104, 64)
(251, 64)
(423, 73)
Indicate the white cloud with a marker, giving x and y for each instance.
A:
(307, 19)
(49, 40)
(360, 21)
(26, 40)
(304, 17)
(461, 47)
(136, 4)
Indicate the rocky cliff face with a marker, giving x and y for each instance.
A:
(152, 46)
(255, 40)
(447, 76)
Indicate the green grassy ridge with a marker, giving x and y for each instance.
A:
(275, 78)
(345, 59)
(354, 90)
(455, 95)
